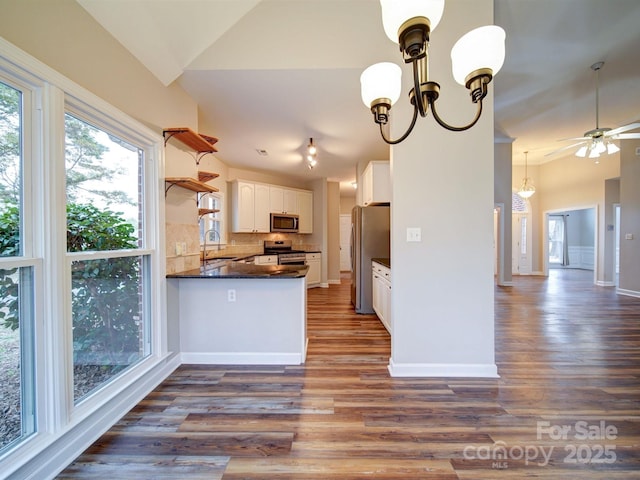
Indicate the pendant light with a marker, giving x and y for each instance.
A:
(526, 187)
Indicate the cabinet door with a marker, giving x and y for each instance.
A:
(290, 201)
(367, 185)
(305, 212)
(244, 207)
(276, 199)
(262, 219)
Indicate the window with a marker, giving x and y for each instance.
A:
(104, 213)
(17, 416)
(212, 222)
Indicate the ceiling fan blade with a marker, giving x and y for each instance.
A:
(574, 138)
(627, 136)
(624, 128)
(564, 148)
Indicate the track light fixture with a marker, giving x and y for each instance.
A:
(312, 154)
(476, 57)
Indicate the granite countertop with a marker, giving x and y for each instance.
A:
(383, 261)
(231, 269)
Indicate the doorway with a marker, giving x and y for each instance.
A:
(571, 239)
(345, 242)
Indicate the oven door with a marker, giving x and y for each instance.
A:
(289, 260)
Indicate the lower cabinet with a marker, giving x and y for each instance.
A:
(266, 260)
(314, 275)
(381, 285)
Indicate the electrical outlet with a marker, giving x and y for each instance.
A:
(231, 295)
(178, 249)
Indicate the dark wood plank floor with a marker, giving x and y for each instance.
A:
(568, 353)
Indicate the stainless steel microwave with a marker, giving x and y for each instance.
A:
(284, 222)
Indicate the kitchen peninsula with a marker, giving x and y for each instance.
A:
(238, 313)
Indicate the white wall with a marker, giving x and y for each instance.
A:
(442, 297)
(630, 218)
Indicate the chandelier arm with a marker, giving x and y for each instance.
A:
(450, 127)
(420, 102)
(406, 134)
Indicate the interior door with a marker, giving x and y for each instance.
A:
(345, 243)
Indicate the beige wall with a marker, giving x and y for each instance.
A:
(347, 204)
(502, 194)
(333, 232)
(573, 183)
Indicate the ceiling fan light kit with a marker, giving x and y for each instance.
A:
(475, 58)
(599, 141)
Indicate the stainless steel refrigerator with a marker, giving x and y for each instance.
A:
(370, 228)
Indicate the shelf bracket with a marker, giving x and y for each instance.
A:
(200, 155)
(167, 138)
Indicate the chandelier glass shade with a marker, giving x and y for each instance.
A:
(312, 155)
(475, 58)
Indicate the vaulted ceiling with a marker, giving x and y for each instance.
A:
(265, 72)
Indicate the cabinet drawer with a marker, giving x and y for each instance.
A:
(313, 256)
(266, 260)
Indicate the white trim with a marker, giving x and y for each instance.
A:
(478, 370)
(241, 358)
(629, 293)
(506, 284)
(52, 456)
(324, 285)
(602, 283)
(334, 282)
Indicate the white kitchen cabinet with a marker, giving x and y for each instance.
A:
(250, 207)
(376, 183)
(283, 200)
(305, 212)
(381, 285)
(314, 275)
(266, 260)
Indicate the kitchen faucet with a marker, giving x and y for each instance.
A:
(204, 248)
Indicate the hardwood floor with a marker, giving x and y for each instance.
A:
(568, 353)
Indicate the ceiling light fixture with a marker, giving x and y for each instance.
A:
(312, 154)
(526, 188)
(476, 57)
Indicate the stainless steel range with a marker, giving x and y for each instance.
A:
(285, 252)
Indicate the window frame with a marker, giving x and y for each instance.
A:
(63, 429)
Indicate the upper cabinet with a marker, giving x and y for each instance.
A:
(305, 212)
(252, 203)
(250, 212)
(283, 200)
(376, 183)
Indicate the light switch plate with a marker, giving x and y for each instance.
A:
(628, 236)
(414, 234)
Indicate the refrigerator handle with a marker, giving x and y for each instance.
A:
(352, 252)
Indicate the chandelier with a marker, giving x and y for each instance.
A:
(476, 57)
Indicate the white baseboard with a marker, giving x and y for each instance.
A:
(66, 447)
(442, 370)
(243, 358)
(602, 283)
(334, 282)
(505, 284)
(324, 285)
(629, 293)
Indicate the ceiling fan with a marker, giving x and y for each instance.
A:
(599, 140)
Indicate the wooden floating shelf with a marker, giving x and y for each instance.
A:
(206, 211)
(190, 184)
(206, 176)
(196, 141)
